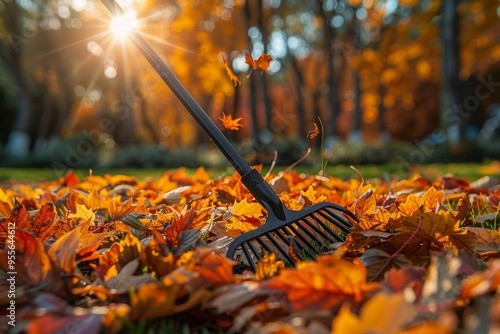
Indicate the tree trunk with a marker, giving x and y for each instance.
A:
(124, 114)
(356, 135)
(384, 134)
(252, 96)
(266, 99)
(333, 98)
(452, 117)
(18, 141)
(299, 90)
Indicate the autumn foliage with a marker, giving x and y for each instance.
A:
(107, 253)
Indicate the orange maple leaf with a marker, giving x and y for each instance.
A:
(310, 286)
(234, 79)
(173, 231)
(261, 63)
(230, 123)
(243, 217)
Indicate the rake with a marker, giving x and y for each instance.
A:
(309, 231)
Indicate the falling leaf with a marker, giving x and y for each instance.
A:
(482, 282)
(234, 79)
(261, 63)
(487, 242)
(398, 280)
(230, 123)
(313, 133)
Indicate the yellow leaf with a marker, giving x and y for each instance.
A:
(237, 226)
(6, 204)
(313, 133)
(310, 194)
(268, 266)
(234, 79)
(382, 314)
(250, 210)
(82, 212)
(429, 202)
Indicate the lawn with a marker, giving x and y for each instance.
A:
(470, 171)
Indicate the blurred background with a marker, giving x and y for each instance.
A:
(389, 80)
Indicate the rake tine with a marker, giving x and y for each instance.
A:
(248, 256)
(254, 250)
(310, 253)
(281, 236)
(301, 246)
(301, 237)
(319, 231)
(280, 248)
(345, 223)
(263, 244)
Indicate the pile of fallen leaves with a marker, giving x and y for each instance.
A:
(114, 253)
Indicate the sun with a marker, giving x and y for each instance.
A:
(122, 25)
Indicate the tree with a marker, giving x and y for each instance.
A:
(454, 123)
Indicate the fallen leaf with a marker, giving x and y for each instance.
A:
(63, 251)
(324, 284)
(383, 313)
(268, 266)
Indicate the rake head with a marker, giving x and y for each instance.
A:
(309, 231)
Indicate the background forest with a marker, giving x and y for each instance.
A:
(405, 80)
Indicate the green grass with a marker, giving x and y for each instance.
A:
(470, 171)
